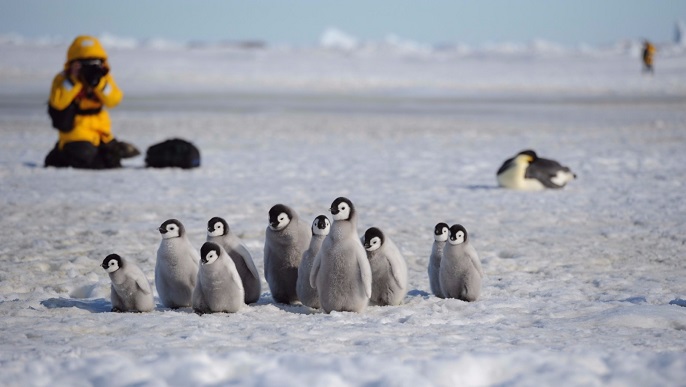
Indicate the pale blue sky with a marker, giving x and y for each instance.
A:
(302, 22)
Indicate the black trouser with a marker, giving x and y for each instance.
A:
(83, 154)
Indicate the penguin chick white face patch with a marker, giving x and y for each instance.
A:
(218, 229)
(443, 236)
(210, 257)
(282, 222)
(112, 266)
(374, 244)
(343, 212)
(458, 238)
(316, 230)
(173, 231)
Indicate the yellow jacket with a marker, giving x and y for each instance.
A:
(94, 128)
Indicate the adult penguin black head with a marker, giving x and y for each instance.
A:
(171, 228)
(217, 227)
(279, 217)
(373, 239)
(458, 234)
(342, 209)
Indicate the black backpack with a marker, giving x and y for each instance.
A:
(173, 153)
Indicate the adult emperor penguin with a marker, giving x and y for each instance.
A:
(130, 290)
(306, 293)
(176, 269)
(389, 270)
(286, 240)
(219, 287)
(461, 274)
(441, 232)
(341, 272)
(526, 171)
(218, 231)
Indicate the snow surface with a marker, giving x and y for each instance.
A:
(584, 286)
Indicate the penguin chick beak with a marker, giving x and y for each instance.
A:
(203, 260)
(334, 211)
(162, 230)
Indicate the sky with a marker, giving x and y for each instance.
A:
(302, 22)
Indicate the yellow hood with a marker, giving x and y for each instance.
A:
(85, 47)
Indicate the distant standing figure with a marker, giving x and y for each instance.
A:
(78, 98)
(648, 53)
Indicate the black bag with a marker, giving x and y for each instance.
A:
(173, 153)
(63, 120)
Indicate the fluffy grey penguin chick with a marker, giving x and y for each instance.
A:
(461, 273)
(219, 287)
(306, 293)
(341, 272)
(389, 270)
(218, 232)
(440, 237)
(286, 240)
(130, 290)
(176, 269)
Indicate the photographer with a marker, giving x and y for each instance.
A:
(77, 99)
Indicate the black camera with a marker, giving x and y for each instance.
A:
(92, 70)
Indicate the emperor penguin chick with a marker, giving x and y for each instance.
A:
(218, 231)
(341, 272)
(389, 270)
(440, 237)
(286, 240)
(461, 274)
(176, 269)
(306, 293)
(130, 290)
(219, 287)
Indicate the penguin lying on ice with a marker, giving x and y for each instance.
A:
(528, 172)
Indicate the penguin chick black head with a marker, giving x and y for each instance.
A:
(209, 252)
(458, 234)
(217, 227)
(373, 239)
(441, 232)
(342, 209)
(112, 263)
(172, 228)
(279, 217)
(321, 225)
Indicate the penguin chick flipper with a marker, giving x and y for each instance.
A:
(246, 256)
(315, 270)
(365, 275)
(142, 286)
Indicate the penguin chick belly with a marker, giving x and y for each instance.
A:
(341, 275)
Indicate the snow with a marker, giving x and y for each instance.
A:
(583, 286)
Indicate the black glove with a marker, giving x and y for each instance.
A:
(92, 71)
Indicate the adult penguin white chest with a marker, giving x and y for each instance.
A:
(286, 240)
(219, 287)
(440, 237)
(341, 272)
(528, 172)
(460, 274)
(306, 293)
(218, 232)
(389, 270)
(130, 290)
(176, 269)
